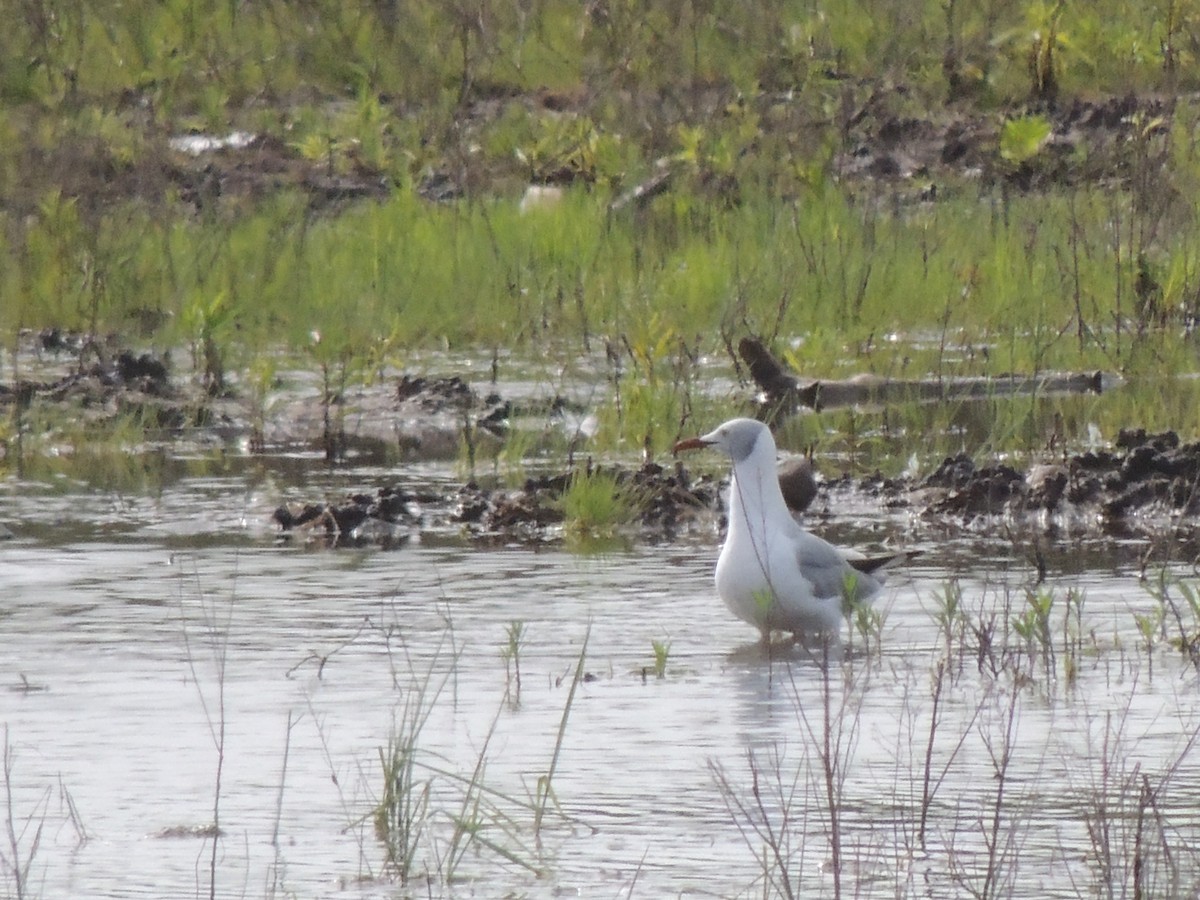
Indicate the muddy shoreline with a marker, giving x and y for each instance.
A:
(1146, 486)
(1145, 483)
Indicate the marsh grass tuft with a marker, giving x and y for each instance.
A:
(950, 617)
(511, 654)
(866, 623)
(545, 784)
(662, 652)
(22, 836)
(214, 635)
(597, 504)
(429, 816)
(1033, 627)
(1178, 608)
(788, 792)
(401, 815)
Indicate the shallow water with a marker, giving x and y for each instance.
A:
(135, 628)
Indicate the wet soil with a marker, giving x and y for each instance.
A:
(881, 139)
(1146, 482)
(100, 379)
(1090, 140)
(666, 498)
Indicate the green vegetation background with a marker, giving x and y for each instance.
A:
(750, 106)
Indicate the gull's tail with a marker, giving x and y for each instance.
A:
(877, 566)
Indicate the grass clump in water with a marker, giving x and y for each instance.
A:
(662, 652)
(430, 817)
(597, 504)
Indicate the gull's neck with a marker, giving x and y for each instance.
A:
(755, 499)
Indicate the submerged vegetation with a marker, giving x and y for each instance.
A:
(699, 169)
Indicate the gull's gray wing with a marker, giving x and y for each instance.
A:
(824, 567)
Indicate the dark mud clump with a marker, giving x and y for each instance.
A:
(1145, 476)
(1089, 140)
(105, 383)
(436, 394)
(664, 499)
(390, 513)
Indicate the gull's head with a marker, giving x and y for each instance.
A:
(738, 439)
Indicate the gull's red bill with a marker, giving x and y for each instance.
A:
(691, 444)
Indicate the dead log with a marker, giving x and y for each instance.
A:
(784, 389)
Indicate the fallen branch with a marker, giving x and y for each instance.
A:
(784, 389)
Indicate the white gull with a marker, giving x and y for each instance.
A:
(772, 572)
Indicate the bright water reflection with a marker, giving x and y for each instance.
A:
(128, 625)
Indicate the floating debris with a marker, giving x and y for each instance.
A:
(199, 144)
